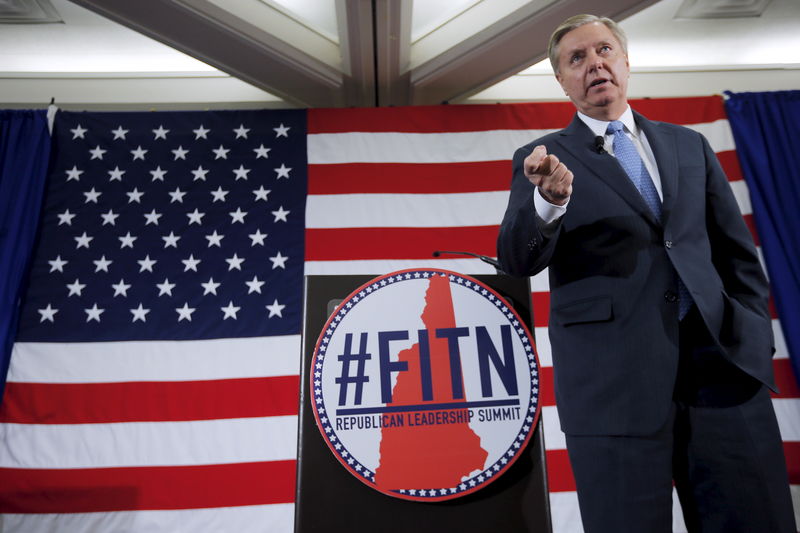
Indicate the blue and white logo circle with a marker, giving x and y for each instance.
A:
(425, 384)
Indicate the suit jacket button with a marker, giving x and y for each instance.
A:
(670, 296)
(668, 244)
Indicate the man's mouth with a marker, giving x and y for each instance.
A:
(598, 82)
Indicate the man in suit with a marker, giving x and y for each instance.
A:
(659, 324)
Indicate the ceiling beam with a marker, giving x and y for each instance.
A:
(357, 44)
(503, 49)
(392, 46)
(217, 37)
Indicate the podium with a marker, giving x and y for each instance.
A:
(329, 498)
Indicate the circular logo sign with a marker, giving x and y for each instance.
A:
(425, 384)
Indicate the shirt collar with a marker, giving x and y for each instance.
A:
(599, 127)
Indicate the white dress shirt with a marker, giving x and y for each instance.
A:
(549, 212)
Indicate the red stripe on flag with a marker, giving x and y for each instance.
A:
(751, 225)
(559, 471)
(85, 403)
(541, 309)
(560, 477)
(791, 451)
(698, 110)
(437, 119)
(730, 164)
(433, 119)
(547, 388)
(773, 311)
(342, 244)
(785, 379)
(87, 490)
(362, 178)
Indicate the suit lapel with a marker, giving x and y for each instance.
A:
(578, 140)
(666, 153)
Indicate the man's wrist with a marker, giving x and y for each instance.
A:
(548, 211)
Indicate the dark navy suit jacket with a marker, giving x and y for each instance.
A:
(612, 267)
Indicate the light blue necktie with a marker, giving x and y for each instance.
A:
(634, 167)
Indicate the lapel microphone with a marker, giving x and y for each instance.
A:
(599, 143)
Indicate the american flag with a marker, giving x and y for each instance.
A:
(103, 430)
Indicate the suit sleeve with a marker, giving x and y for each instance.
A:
(525, 244)
(733, 251)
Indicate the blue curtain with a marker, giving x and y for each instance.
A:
(766, 128)
(24, 155)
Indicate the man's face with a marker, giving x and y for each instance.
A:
(593, 71)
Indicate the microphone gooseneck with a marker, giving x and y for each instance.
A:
(488, 260)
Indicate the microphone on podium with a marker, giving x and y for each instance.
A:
(486, 259)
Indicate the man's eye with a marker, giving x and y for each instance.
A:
(575, 58)
(605, 48)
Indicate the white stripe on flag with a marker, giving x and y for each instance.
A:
(565, 513)
(742, 194)
(718, 133)
(540, 282)
(543, 350)
(393, 147)
(495, 145)
(566, 516)
(99, 362)
(781, 351)
(275, 518)
(239, 440)
(405, 210)
(788, 412)
(554, 438)
(384, 266)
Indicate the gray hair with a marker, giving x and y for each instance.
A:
(577, 21)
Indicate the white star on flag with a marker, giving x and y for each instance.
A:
(93, 313)
(261, 193)
(74, 174)
(165, 287)
(140, 313)
(257, 237)
(47, 313)
(57, 264)
(280, 214)
(97, 152)
(138, 153)
(275, 309)
(116, 174)
(221, 152)
(201, 133)
(119, 133)
(121, 288)
(254, 285)
(102, 264)
(185, 312)
(278, 261)
(230, 311)
(210, 287)
(66, 218)
(75, 288)
(78, 132)
(262, 151)
(160, 133)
